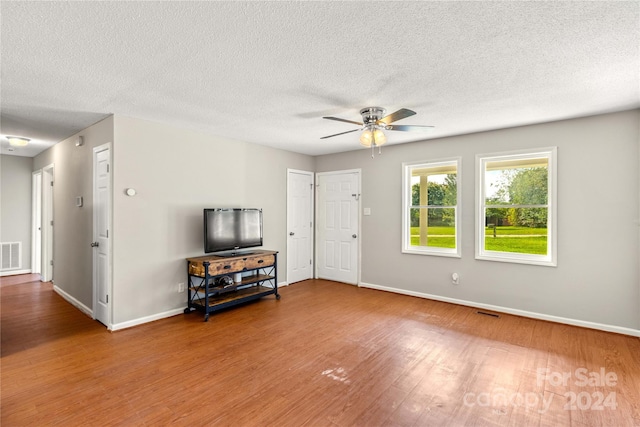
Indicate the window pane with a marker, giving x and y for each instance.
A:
(517, 182)
(517, 212)
(415, 191)
(521, 230)
(434, 190)
(429, 215)
(433, 227)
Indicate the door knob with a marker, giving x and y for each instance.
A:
(354, 235)
(291, 233)
(95, 244)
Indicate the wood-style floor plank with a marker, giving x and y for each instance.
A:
(326, 354)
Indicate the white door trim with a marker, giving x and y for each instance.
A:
(312, 219)
(108, 322)
(358, 172)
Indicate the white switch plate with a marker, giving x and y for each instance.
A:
(367, 211)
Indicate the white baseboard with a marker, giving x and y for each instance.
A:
(507, 310)
(157, 316)
(14, 272)
(146, 319)
(74, 302)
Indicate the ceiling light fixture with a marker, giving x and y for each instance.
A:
(18, 141)
(372, 135)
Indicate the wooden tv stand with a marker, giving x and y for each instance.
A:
(259, 278)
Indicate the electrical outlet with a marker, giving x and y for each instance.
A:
(180, 287)
(455, 278)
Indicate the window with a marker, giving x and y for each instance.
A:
(430, 214)
(516, 217)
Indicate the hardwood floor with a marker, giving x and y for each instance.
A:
(326, 354)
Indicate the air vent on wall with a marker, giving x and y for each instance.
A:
(10, 255)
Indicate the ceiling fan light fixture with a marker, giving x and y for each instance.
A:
(17, 141)
(366, 138)
(373, 137)
(379, 137)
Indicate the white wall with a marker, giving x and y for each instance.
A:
(15, 202)
(597, 277)
(177, 173)
(73, 226)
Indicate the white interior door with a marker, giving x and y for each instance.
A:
(36, 227)
(338, 195)
(101, 239)
(47, 224)
(299, 225)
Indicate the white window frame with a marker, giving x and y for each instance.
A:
(406, 207)
(550, 259)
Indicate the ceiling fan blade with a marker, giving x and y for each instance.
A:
(402, 113)
(342, 120)
(411, 128)
(341, 133)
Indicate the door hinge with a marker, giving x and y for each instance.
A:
(51, 222)
(107, 234)
(107, 167)
(51, 262)
(107, 299)
(52, 183)
(309, 262)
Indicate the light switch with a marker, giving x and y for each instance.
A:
(367, 211)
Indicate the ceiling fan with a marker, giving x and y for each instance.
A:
(374, 122)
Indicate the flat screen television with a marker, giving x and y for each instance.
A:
(232, 229)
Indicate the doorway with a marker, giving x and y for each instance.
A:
(299, 225)
(47, 224)
(338, 226)
(101, 240)
(36, 222)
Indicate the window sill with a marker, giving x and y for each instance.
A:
(517, 259)
(452, 253)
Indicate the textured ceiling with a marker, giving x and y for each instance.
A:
(266, 72)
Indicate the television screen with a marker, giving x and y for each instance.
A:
(227, 229)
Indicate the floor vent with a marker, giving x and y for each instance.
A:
(10, 255)
(484, 313)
